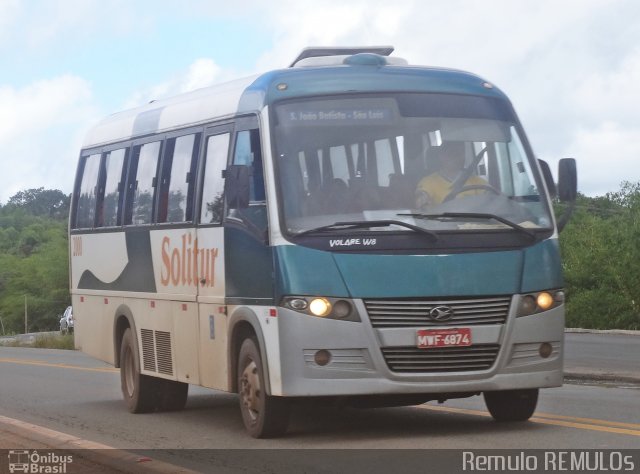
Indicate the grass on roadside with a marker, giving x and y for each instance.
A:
(45, 341)
(54, 341)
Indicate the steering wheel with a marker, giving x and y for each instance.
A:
(471, 187)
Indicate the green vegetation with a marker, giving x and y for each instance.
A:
(44, 341)
(601, 259)
(600, 249)
(34, 260)
(54, 341)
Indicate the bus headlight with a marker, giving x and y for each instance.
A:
(538, 302)
(544, 300)
(322, 307)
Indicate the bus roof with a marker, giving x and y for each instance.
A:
(361, 72)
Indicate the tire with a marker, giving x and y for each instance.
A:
(138, 390)
(511, 405)
(171, 396)
(264, 416)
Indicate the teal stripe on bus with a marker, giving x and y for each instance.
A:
(304, 271)
(542, 268)
(469, 274)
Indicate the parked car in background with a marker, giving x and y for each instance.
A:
(66, 321)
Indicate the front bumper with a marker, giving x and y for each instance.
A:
(358, 366)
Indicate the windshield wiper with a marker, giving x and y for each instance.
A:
(475, 215)
(365, 224)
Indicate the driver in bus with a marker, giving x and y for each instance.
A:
(435, 187)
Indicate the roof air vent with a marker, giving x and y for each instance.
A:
(314, 52)
(365, 59)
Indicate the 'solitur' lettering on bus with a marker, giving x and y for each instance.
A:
(187, 264)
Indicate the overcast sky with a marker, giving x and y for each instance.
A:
(570, 67)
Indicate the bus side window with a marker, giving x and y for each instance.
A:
(142, 188)
(248, 152)
(87, 193)
(213, 187)
(110, 199)
(176, 188)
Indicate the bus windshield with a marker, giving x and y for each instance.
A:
(442, 162)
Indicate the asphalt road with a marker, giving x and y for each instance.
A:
(600, 354)
(72, 393)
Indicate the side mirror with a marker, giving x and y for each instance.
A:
(567, 180)
(237, 186)
(548, 178)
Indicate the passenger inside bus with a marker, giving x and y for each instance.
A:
(435, 187)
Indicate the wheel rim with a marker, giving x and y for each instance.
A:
(129, 369)
(250, 390)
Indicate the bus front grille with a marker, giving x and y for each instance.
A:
(399, 313)
(446, 359)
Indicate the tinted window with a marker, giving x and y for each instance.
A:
(177, 183)
(248, 152)
(87, 193)
(111, 200)
(215, 162)
(145, 181)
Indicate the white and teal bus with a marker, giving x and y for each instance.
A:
(269, 237)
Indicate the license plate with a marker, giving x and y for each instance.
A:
(456, 337)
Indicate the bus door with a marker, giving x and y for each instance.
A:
(249, 269)
(210, 260)
(235, 260)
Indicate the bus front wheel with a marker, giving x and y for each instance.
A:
(137, 389)
(264, 416)
(511, 405)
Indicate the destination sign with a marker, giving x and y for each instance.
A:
(340, 115)
(347, 112)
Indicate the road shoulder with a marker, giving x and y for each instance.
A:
(87, 455)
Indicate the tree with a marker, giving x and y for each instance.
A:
(41, 202)
(34, 259)
(601, 258)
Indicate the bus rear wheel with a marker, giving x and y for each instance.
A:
(264, 416)
(138, 390)
(511, 405)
